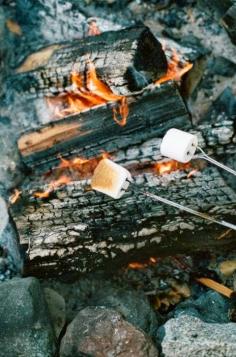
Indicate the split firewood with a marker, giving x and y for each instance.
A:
(214, 285)
(126, 60)
(150, 115)
(77, 230)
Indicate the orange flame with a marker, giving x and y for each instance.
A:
(79, 166)
(139, 265)
(15, 196)
(167, 167)
(176, 69)
(83, 167)
(63, 180)
(87, 91)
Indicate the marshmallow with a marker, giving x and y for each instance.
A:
(179, 145)
(110, 178)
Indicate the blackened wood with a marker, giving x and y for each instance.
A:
(77, 230)
(126, 60)
(229, 22)
(150, 115)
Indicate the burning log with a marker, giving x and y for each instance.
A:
(126, 61)
(77, 230)
(150, 115)
(229, 22)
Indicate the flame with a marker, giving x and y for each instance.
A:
(176, 69)
(139, 265)
(15, 196)
(86, 92)
(63, 180)
(83, 167)
(167, 167)
(75, 167)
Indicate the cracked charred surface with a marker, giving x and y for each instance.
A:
(117, 56)
(77, 230)
(151, 114)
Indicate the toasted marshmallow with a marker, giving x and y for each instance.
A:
(110, 178)
(179, 145)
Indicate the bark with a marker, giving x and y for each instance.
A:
(77, 230)
(126, 60)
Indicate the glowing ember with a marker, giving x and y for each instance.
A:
(167, 167)
(176, 69)
(86, 92)
(138, 265)
(63, 180)
(192, 173)
(15, 196)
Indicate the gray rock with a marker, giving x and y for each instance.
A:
(131, 304)
(98, 331)
(25, 329)
(209, 307)
(4, 217)
(57, 309)
(9, 243)
(188, 336)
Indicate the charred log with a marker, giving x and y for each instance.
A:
(150, 115)
(229, 22)
(77, 230)
(126, 60)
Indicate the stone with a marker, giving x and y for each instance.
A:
(98, 331)
(57, 309)
(190, 337)
(131, 304)
(210, 307)
(25, 329)
(4, 217)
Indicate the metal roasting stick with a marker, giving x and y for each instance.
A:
(190, 210)
(113, 180)
(214, 162)
(181, 146)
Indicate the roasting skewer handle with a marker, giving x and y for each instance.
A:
(113, 180)
(204, 156)
(190, 210)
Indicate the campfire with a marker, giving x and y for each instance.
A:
(117, 175)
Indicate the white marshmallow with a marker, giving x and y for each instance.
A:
(179, 145)
(110, 178)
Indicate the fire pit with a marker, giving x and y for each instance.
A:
(89, 92)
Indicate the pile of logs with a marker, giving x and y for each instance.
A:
(77, 230)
